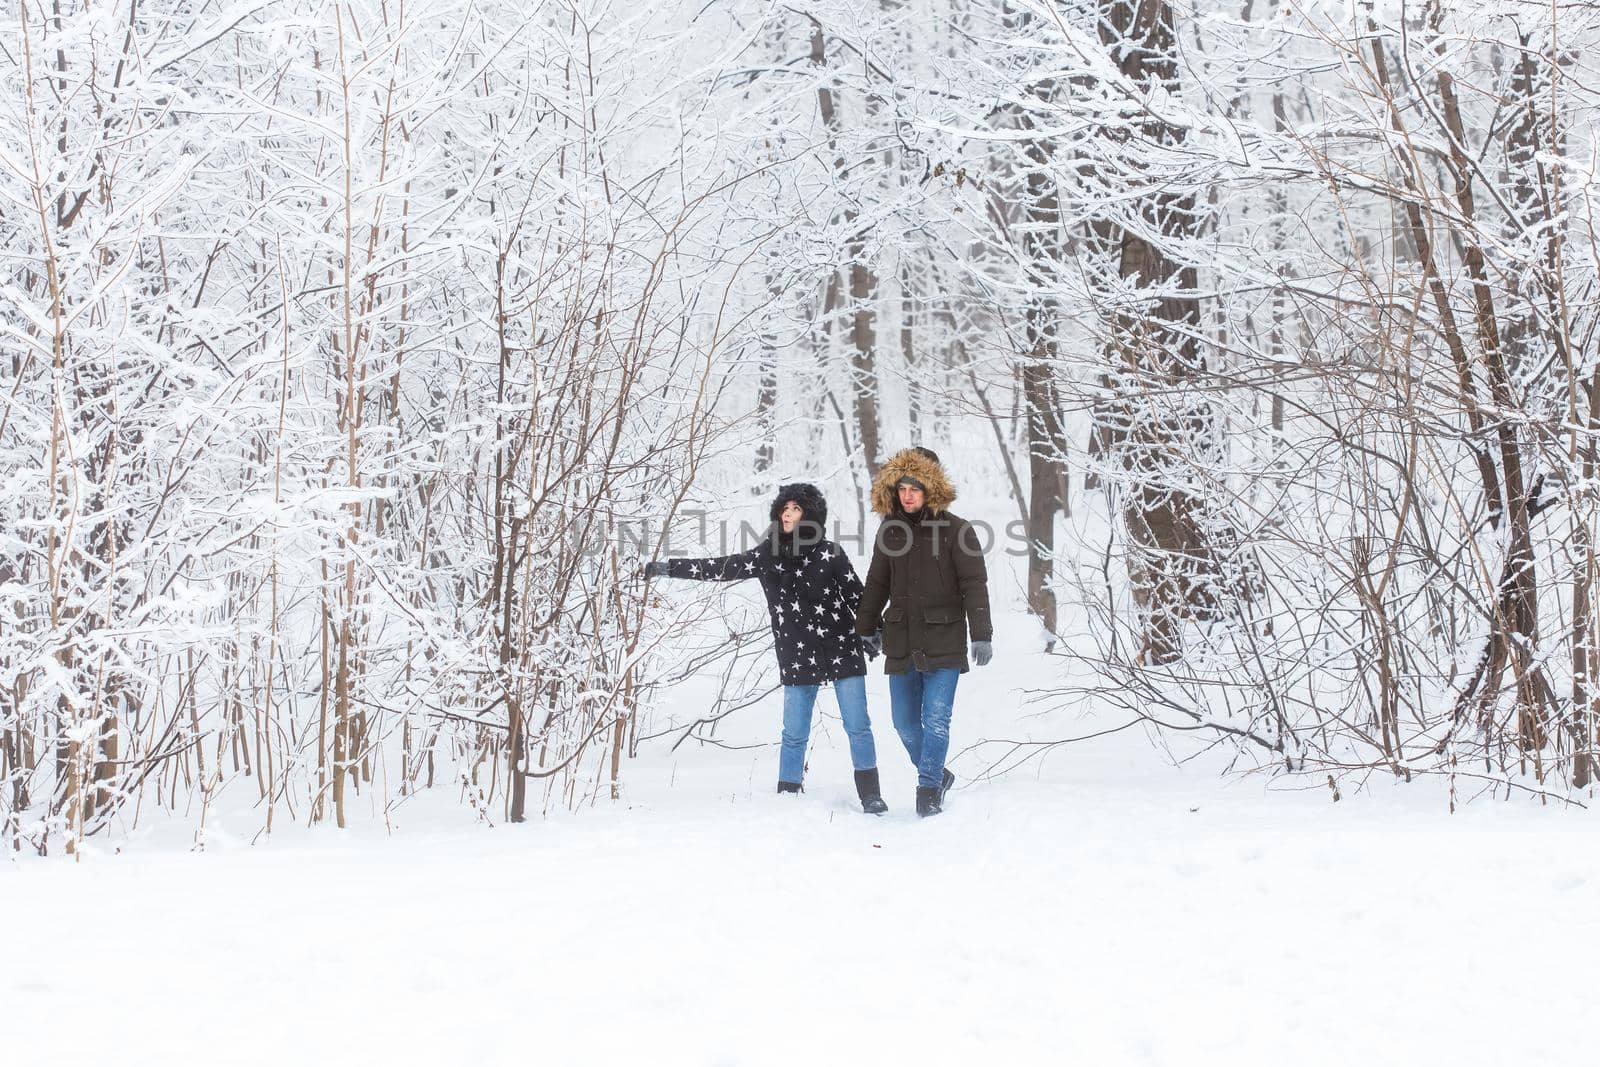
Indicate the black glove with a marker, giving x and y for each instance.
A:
(982, 653)
(872, 644)
(658, 568)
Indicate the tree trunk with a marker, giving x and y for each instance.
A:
(862, 281)
(1157, 351)
(767, 397)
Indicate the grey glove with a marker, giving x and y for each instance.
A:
(982, 653)
(658, 568)
(873, 644)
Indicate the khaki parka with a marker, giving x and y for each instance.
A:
(927, 587)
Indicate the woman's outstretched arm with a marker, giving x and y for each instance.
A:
(732, 568)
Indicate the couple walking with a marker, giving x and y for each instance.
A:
(926, 586)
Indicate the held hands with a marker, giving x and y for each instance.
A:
(982, 652)
(873, 644)
(658, 568)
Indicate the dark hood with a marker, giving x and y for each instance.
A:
(813, 526)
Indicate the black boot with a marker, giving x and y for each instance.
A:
(928, 800)
(944, 786)
(788, 787)
(869, 792)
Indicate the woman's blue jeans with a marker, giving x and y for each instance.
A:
(921, 703)
(798, 700)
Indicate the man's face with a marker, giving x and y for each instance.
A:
(911, 499)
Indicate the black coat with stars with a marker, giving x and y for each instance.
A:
(812, 592)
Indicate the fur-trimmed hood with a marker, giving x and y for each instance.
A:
(912, 463)
(811, 501)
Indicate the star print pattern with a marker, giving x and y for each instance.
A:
(812, 594)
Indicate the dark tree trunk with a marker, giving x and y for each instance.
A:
(862, 280)
(1156, 353)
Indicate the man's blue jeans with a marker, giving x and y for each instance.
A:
(798, 700)
(921, 702)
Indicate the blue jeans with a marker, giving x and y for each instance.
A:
(921, 702)
(798, 701)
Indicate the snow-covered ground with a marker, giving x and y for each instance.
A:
(1100, 907)
(1080, 917)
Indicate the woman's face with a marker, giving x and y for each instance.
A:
(911, 499)
(790, 515)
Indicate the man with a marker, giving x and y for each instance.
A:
(926, 587)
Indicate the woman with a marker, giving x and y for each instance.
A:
(812, 592)
(927, 588)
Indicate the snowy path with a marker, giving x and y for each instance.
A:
(1102, 908)
(1038, 922)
